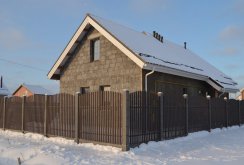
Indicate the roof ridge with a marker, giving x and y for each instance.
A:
(114, 22)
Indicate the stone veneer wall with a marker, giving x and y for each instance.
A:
(113, 68)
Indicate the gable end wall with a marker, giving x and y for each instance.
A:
(113, 68)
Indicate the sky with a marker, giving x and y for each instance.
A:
(33, 33)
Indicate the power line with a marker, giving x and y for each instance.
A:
(23, 65)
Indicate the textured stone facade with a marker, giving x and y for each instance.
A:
(113, 68)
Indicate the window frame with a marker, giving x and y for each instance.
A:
(102, 87)
(185, 90)
(92, 49)
(84, 90)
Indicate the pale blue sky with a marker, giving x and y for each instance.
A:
(34, 32)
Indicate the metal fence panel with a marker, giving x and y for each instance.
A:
(242, 111)
(13, 113)
(144, 118)
(61, 115)
(34, 114)
(100, 117)
(233, 112)
(174, 117)
(218, 113)
(198, 114)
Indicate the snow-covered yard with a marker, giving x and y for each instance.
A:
(219, 147)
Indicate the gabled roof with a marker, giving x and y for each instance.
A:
(148, 53)
(35, 89)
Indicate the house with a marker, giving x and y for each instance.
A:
(241, 95)
(29, 90)
(3, 89)
(104, 55)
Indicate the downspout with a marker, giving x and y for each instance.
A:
(153, 70)
(222, 93)
(146, 92)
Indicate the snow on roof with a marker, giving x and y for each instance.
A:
(166, 54)
(37, 89)
(148, 53)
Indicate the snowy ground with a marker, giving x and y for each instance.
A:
(219, 147)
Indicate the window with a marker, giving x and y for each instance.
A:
(95, 49)
(84, 90)
(105, 101)
(184, 90)
(105, 88)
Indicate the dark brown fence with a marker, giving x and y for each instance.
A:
(233, 112)
(198, 114)
(218, 113)
(34, 113)
(242, 111)
(1, 111)
(100, 117)
(124, 120)
(174, 117)
(61, 115)
(144, 118)
(13, 113)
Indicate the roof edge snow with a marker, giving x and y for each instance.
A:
(134, 55)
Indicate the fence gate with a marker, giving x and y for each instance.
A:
(144, 118)
(100, 117)
(61, 115)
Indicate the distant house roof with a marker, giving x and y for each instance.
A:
(148, 53)
(35, 89)
(4, 91)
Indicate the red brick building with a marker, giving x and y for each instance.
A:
(29, 90)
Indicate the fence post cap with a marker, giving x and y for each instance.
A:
(77, 93)
(225, 98)
(160, 93)
(208, 97)
(23, 95)
(185, 96)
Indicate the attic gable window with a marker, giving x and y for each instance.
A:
(95, 49)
